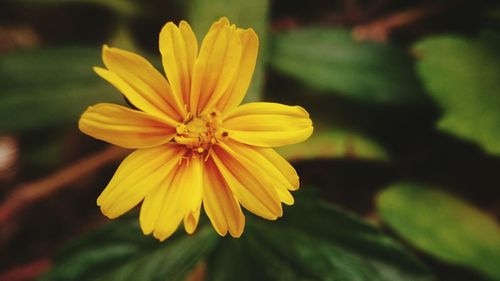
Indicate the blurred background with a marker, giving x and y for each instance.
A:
(400, 180)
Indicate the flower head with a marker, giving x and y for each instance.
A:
(195, 144)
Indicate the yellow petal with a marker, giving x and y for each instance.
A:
(140, 172)
(277, 177)
(239, 86)
(183, 193)
(220, 204)
(216, 66)
(268, 124)
(248, 185)
(125, 127)
(152, 206)
(191, 220)
(178, 48)
(140, 82)
(282, 165)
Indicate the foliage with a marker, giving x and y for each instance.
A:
(314, 241)
(443, 226)
(49, 87)
(462, 76)
(330, 60)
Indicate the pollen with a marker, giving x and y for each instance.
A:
(200, 133)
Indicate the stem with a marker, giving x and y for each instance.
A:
(34, 191)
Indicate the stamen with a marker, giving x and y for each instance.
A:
(200, 133)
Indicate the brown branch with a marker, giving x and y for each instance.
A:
(380, 30)
(31, 192)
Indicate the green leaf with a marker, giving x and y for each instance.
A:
(443, 226)
(50, 87)
(245, 14)
(121, 7)
(463, 76)
(334, 144)
(313, 241)
(120, 251)
(330, 60)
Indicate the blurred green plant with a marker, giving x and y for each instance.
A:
(49, 87)
(313, 241)
(330, 60)
(443, 226)
(462, 75)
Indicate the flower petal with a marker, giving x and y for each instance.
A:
(141, 83)
(152, 206)
(142, 171)
(183, 195)
(278, 179)
(268, 124)
(250, 188)
(178, 48)
(191, 220)
(125, 127)
(239, 86)
(220, 204)
(216, 66)
(282, 165)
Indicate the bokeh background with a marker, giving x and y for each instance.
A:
(400, 181)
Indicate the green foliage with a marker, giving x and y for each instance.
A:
(245, 14)
(119, 251)
(463, 76)
(120, 7)
(330, 60)
(443, 226)
(314, 241)
(334, 143)
(49, 87)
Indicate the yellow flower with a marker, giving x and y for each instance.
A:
(194, 142)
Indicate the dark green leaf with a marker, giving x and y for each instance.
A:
(245, 14)
(330, 60)
(120, 251)
(50, 87)
(463, 76)
(443, 226)
(313, 241)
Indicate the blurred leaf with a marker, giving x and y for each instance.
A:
(121, 7)
(50, 87)
(245, 14)
(330, 60)
(334, 144)
(443, 226)
(463, 76)
(313, 241)
(120, 251)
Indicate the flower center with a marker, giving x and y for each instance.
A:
(199, 133)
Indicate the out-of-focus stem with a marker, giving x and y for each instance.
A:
(25, 194)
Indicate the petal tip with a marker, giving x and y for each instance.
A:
(236, 234)
(224, 20)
